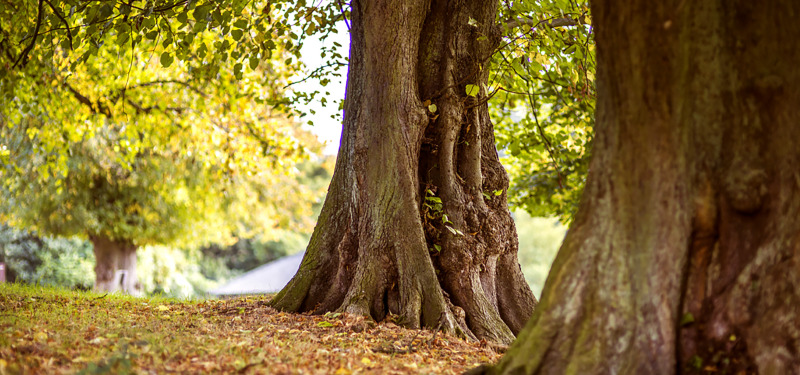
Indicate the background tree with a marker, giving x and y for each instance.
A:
(683, 255)
(160, 198)
(86, 149)
(416, 222)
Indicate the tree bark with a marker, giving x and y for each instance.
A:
(684, 254)
(406, 228)
(115, 266)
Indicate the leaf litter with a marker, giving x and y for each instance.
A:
(45, 330)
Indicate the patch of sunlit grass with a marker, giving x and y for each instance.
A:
(51, 330)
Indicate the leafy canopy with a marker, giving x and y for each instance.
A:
(542, 87)
(543, 103)
(142, 123)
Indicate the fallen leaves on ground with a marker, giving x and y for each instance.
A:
(57, 331)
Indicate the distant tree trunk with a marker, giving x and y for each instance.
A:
(684, 256)
(377, 248)
(115, 266)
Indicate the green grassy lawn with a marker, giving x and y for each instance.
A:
(46, 330)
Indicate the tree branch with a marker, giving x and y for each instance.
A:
(69, 32)
(139, 109)
(95, 107)
(341, 9)
(555, 22)
(314, 73)
(35, 35)
(160, 82)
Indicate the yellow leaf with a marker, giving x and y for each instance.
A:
(40, 336)
(342, 371)
(366, 361)
(162, 308)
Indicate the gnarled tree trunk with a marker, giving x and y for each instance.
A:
(685, 251)
(406, 227)
(115, 265)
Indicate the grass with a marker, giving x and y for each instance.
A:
(47, 330)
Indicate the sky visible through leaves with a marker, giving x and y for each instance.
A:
(327, 129)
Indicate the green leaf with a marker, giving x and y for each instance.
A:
(237, 70)
(201, 13)
(434, 199)
(437, 247)
(122, 38)
(696, 362)
(325, 324)
(166, 59)
(237, 34)
(687, 319)
(253, 63)
(472, 90)
(516, 64)
(432, 108)
(242, 24)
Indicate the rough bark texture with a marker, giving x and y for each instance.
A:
(115, 266)
(692, 204)
(375, 248)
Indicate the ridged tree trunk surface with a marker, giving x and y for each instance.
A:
(378, 249)
(115, 266)
(684, 256)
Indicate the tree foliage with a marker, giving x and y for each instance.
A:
(154, 123)
(543, 103)
(542, 87)
(65, 262)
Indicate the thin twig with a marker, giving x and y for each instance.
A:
(35, 35)
(438, 327)
(555, 22)
(69, 32)
(163, 81)
(315, 71)
(341, 9)
(550, 148)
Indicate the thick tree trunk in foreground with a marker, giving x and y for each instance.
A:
(383, 243)
(685, 252)
(115, 266)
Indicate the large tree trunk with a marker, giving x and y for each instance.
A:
(685, 251)
(383, 243)
(115, 266)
